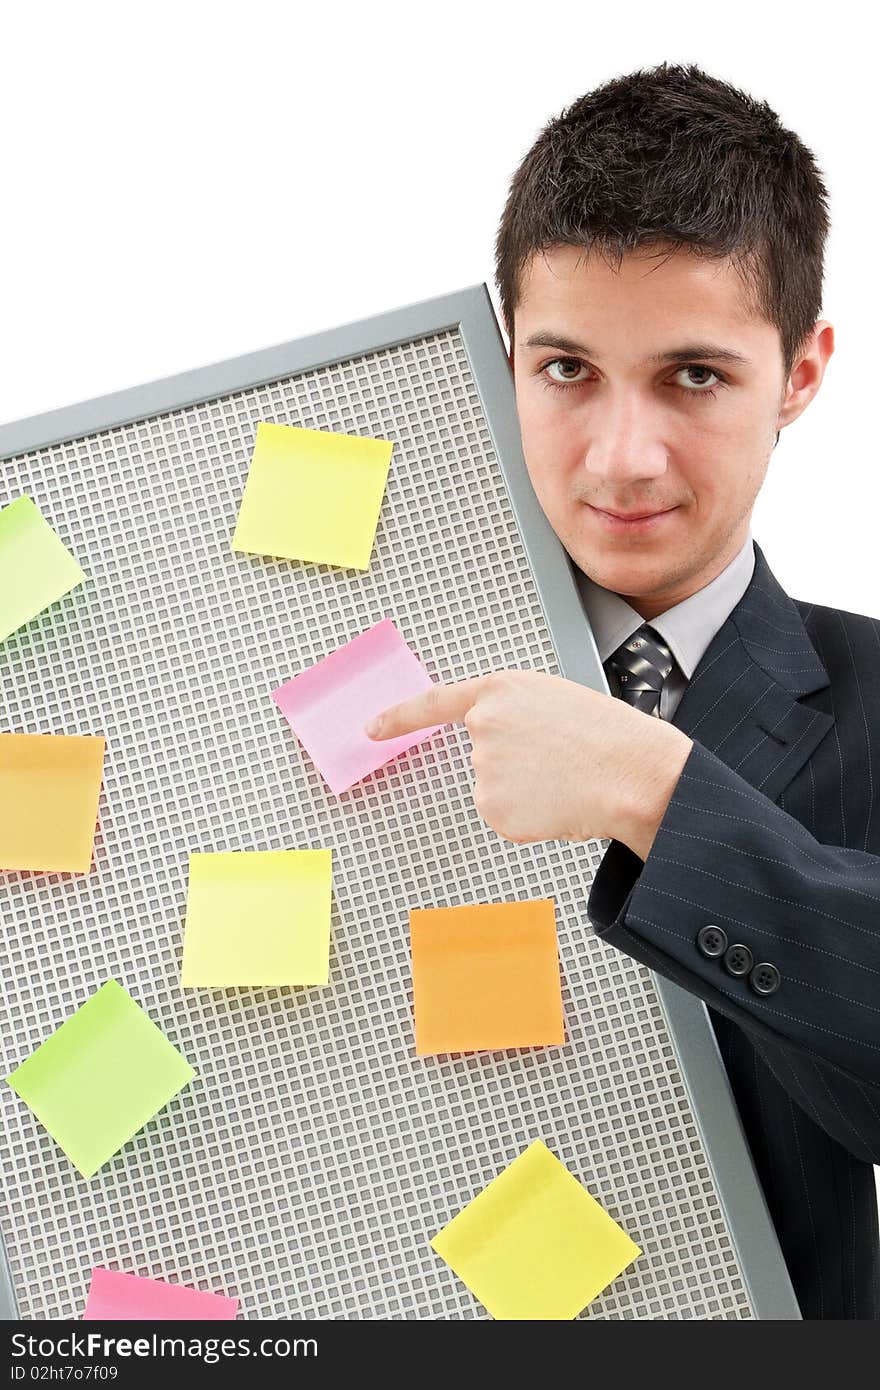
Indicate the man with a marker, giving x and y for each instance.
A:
(660, 268)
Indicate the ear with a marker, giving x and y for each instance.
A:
(807, 373)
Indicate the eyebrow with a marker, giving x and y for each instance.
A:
(682, 354)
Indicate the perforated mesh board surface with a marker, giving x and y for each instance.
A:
(310, 1162)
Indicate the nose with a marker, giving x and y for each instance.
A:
(623, 441)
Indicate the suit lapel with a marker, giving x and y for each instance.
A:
(742, 702)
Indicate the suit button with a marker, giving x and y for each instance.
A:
(738, 960)
(765, 978)
(712, 941)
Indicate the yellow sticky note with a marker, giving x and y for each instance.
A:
(258, 918)
(534, 1244)
(49, 790)
(313, 495)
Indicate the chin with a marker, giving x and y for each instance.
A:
(623, 572)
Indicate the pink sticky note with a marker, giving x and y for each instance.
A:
(117, 1297)
(328, 705)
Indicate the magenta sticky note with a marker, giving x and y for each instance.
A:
(117, 1297)
(328, 705)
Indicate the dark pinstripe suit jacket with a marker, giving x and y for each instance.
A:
(773, 834)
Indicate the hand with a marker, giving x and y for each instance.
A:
(552, 759)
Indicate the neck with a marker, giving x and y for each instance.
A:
(649, 606)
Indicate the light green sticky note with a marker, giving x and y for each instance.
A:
(36, 568)
(258, 917)
(100, 1077)
(313, 495)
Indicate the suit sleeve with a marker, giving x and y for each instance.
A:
(728, 856)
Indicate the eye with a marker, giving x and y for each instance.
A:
(569, 363)
(570, 366)
(701, 388)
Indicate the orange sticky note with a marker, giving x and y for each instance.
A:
(486, 977)
(49, 790)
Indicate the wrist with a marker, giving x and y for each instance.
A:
(649, 789)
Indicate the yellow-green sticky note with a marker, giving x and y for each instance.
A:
(258, 917)
(534, 1244)
(36, 568)
(97, 1080)
(313, 495)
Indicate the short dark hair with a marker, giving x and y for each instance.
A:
(673, 157)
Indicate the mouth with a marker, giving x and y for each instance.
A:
(631, 521)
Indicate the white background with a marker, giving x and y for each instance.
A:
(185, 182)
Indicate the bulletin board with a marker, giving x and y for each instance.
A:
(307, 1167)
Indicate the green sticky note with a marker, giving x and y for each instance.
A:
(258, 917)
(36, 568)
(100, 1077)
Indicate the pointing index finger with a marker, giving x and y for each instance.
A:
(442, 704)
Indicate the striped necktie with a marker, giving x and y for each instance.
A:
(641, 665)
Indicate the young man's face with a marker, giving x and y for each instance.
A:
(628, 433)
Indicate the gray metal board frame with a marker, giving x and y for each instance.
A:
(436, 329)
